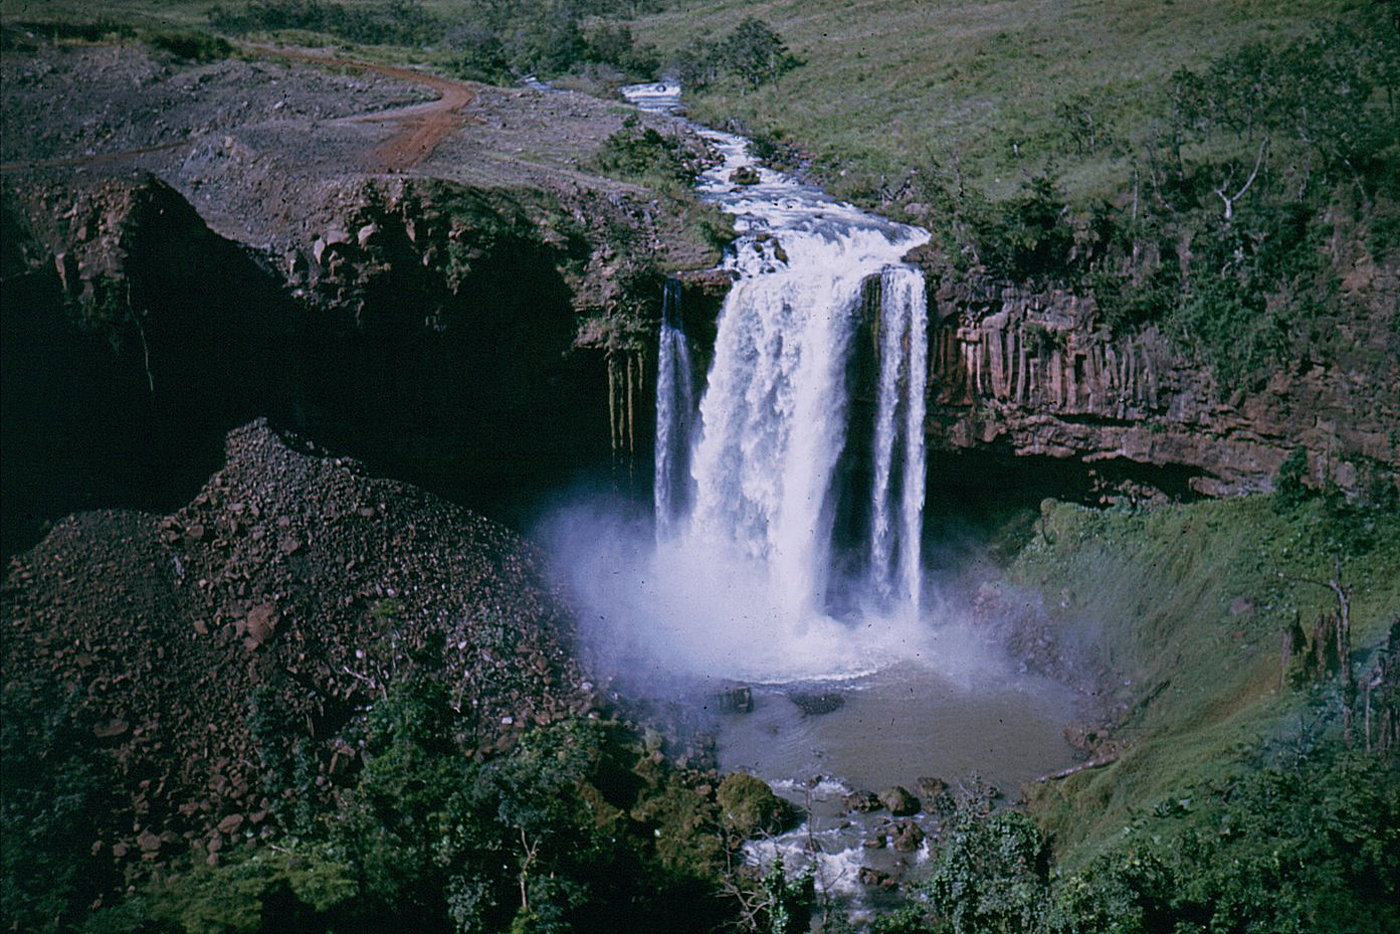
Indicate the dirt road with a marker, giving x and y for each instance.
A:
(419, 128)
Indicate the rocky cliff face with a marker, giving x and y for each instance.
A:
(1035, 374)
(427, 326)
(187, 246)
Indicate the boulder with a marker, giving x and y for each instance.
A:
(861, 801)
(733, 698)
(876, 878)
(930, 787)
(261, 623)
(816, 703)
(744, 175)
(750, 807)
(906, 836)
(899, 801)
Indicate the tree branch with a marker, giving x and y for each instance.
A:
(1230, 201)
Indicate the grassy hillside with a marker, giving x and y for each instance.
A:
(886, 84)
(1191, 604)
(1210, 168)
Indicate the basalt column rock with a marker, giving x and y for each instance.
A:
(1036, 374)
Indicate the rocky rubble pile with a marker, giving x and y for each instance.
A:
(222, 657)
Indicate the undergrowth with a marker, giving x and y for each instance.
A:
(1313, 848)
(1192, 606)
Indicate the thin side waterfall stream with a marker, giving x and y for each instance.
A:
(675, 409)
(785, 548)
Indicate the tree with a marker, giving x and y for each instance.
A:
(755, 53)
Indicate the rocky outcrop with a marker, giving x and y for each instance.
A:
(219, 660)
(424, 325)
(1036, 374)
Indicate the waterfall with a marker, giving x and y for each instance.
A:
(774, 418)
(797, 506)
(675, 407)
(773, 425)
(898, 520)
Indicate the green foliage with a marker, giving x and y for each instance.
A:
(578, 829)
(1290, 490)
(499, 41)
(480, 53)
(752, 54)
(1027, 238)
(387, 611)
(614, 45)
(1220, 238)
(285, 753)
(393, 22)
(643, 154)
(1212, 189)
(99, 29)
(1150, 596)
(302, 889)
(991, 871)
(1348, 526)
(788, 901)
(54, 782)
(1310, 847)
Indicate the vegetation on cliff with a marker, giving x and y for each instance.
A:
(1246, 776)
(1196, 167)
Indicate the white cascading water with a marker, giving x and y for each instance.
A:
(787, 536)
(675, 407)
(747, 564)
(896, 515)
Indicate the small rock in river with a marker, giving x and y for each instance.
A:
(814, 704)
(899, 801)
(861, 801)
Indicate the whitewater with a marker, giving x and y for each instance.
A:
(745, 576)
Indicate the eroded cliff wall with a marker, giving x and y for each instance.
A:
(1036, 374)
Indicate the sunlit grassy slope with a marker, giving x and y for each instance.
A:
(1153, 594)
(888, 83)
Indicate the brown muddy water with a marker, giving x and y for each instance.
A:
(818, 742)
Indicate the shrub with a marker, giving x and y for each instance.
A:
(301, 889)
(643, 154)
(190, 45)
(991, 872)
(752, 55)
(54, 782)
(1290, 490)
(395, 22)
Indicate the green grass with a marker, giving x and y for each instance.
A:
(1152, 593)
(888, 83)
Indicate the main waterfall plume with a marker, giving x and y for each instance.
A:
(776, 411)
(785, 542)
